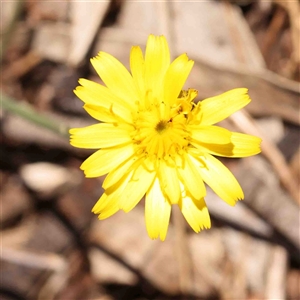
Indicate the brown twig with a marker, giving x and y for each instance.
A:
(182, 253)
(44, 261)
(276, 277)
(21, 66)
(273, 31)
(237, 43)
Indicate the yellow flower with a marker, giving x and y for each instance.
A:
(154, 140)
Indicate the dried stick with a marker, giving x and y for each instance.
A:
(47, 261)
(182, 253)
(276, 277)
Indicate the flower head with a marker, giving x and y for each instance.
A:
(154, 140)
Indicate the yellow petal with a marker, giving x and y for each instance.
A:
(191, 178)
(101, 114)
(122, 170)
(210, 134)
(115, 76)
(169, 182)
(176, 77)
(100, 204)
(157, 61)
(157, 212)
(105, 160)
(137, 66)
(108, 203)
(109, 211)
(136, 188)
(107, 208)
(100, 136)
(103, 101)
(242, 145)
(220, 179)
(245, 144)
(91, 92)
(218, 108)
(195, 213)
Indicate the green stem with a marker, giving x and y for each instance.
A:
(27, 112)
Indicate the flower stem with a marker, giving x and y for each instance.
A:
(27, 112)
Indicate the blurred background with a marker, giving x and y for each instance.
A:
(53, 247)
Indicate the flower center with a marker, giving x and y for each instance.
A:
(161, 126)
(160, 130)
